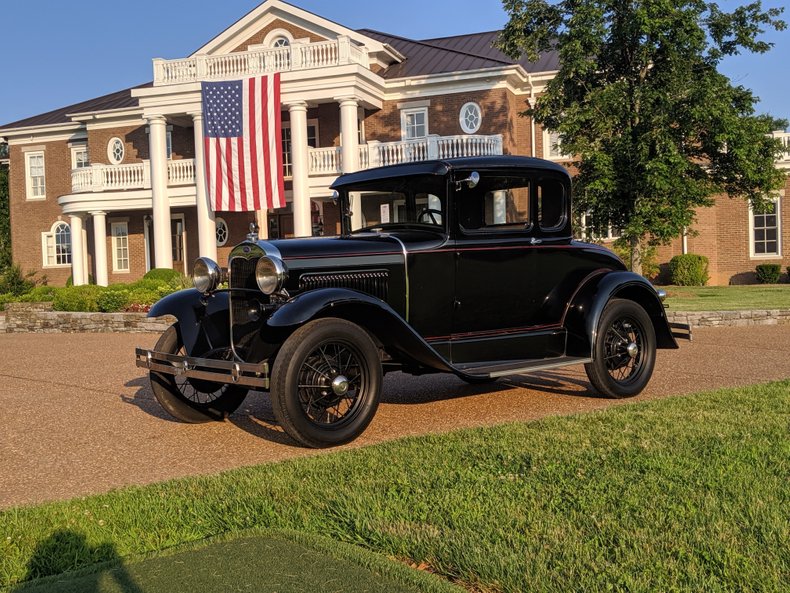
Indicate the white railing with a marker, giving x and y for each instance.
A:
(784, 137)
(460, 146)
(325, 161)
(298, 56)
(101, 178)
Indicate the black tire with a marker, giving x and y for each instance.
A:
(614, 371)
(304, 401)
(191, 400)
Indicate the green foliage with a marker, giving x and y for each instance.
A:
(5, 221)
(689, 270)
(768, 273)
(77, 298)
(70, 280)
(162, 275)
(113, 299)
(40, 294)
(15, 281)
(650, 267)
(638, 98)
(145, 296)
(6, 298)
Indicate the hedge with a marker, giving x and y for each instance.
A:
(689, 270)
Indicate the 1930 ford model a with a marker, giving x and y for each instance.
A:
(464, 266)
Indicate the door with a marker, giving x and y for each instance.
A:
(179, 237)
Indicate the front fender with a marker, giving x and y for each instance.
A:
(586, 308)
(203, 321)
(367, 311)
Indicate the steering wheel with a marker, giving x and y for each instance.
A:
(432, 214)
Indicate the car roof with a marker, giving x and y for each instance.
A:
(445, 166)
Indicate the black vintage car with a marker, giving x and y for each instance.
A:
(464, 266)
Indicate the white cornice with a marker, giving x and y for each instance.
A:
(119, 201)
(111, 118)
(276, 9)
(38, 133)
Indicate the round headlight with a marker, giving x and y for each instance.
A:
(206, 274)
(270, 274)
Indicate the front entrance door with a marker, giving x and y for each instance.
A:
(179, 234)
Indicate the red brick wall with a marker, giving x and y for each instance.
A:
(297, 32)
(135, 139)
(31, 218)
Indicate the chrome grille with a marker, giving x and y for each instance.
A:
(242, 272)
(373, 282)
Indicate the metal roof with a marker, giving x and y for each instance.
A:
(117, 100)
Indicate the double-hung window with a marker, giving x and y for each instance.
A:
(79, 157)
(312, 142)
(35, 177)
(414, 123)
(120, 247)
(766, 231)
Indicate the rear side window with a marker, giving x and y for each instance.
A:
(551, 204)
(498, 202)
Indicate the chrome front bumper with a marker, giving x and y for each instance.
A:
(205, 369)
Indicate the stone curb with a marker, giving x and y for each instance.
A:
(40, 318)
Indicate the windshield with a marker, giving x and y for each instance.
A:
(401, 201)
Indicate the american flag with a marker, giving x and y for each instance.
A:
(243, 144)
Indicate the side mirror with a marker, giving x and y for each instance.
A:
(335, 196)
(471, 182)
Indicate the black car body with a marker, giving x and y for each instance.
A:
(466, 266)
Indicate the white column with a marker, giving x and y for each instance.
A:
(77, 261)
(100, 247)
(207, 226)
(163, 240)
(349, 149)
(300, 169)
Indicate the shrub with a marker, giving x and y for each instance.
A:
(768, 273)
(70, 280)
(162, 275)
(142, 297)
(13, 281)
(6, 298)
(78, 298)
(40, 294)
(689, 270)
(113, 299)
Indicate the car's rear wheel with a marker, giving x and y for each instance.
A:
(624, 352)
(193, 400)
(326, 383)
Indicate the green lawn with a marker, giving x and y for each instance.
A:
(727, 298)
(681, 494)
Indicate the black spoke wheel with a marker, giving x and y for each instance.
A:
(326, 383)
(624, 352)
(192, 400)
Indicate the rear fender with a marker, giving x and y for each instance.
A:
(586, 308)
(203, 321)
(366, 311)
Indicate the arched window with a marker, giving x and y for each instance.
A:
(281, 42)
(56, 245)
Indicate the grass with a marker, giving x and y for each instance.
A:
(727, 298)
(686, 493)
(270, 561)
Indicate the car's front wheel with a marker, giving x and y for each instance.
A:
(326, 383)
(193, 400)
(624, 352)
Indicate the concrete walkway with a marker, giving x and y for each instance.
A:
(79, 418)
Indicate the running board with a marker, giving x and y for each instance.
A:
(518, 367)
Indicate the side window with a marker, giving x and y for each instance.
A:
(551, 204)
(498, 202)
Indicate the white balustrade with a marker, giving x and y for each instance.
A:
(102, 178)
(325, 161)
(299, 56)
(466, 145)
(785, 139)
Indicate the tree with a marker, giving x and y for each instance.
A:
(657, 130)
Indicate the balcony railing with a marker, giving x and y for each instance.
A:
(101, 178)
(297, 56)
(785, 139)
(323, 162)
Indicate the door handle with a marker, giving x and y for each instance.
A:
(535, 241)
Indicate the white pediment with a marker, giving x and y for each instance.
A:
(266, 16)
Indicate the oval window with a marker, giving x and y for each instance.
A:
(471, 118)
(116, 151)
(222, 232)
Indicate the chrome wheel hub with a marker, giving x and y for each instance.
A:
(340, 385)
(632, 349)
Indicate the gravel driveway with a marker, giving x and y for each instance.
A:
(79, 417)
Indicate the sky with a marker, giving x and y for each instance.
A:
(58, 53)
